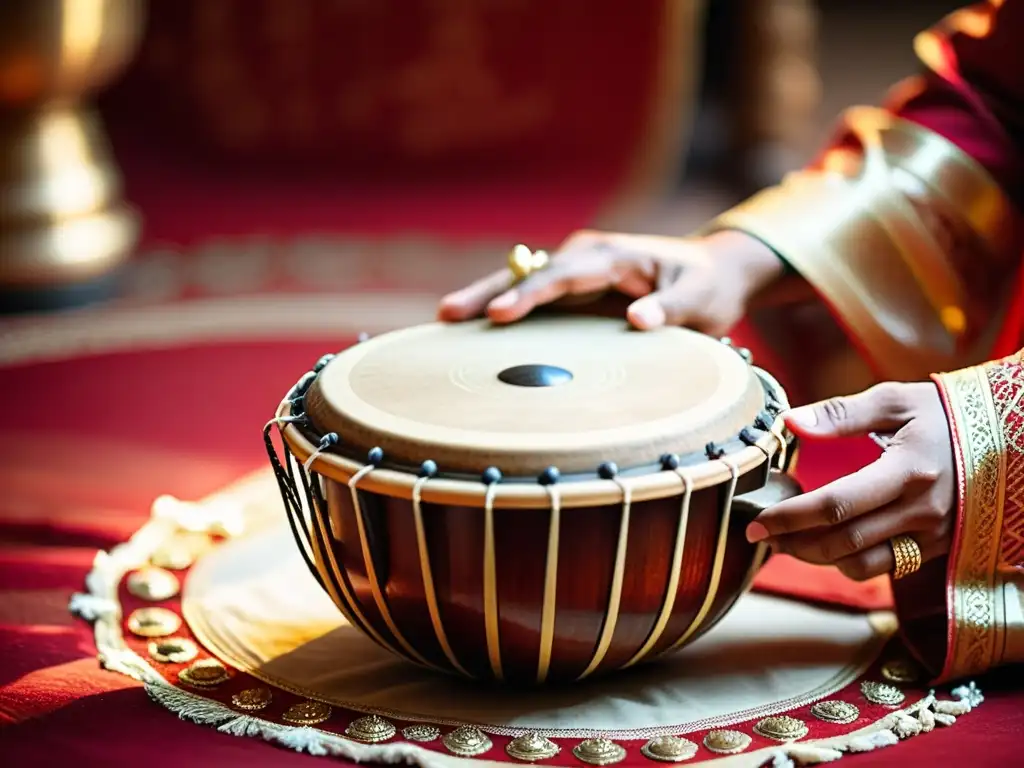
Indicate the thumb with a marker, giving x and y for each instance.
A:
(675, 305)
(884, 407)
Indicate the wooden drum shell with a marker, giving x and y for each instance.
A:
(378, 578)
(419, 482)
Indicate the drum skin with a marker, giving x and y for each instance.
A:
(587, 543)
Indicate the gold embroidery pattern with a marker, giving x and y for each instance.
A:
(973, 641)
(1006, 381)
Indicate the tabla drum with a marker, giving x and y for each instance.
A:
(539, 502)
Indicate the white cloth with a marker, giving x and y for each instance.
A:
(253, 604)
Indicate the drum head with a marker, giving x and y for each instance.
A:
(565, 391)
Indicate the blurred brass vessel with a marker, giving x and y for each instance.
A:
(63, 222)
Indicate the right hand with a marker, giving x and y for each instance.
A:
(702, 283)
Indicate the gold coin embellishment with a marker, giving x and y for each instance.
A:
(882, 693)
(307, 713)
(669, 749)
(173, 557)
(901, 671)
(252, 699)
(727, 742)
(467, 741)
(205, 673)
(531, 747)
(371, 729)
(422, 733)
(599, 752)
(835, 711)
(173, 650)
(153, 622)
(152, 583)
(781, 728)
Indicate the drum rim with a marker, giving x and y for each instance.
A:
(664, 483)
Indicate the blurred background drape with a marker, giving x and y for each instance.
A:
(156, 150)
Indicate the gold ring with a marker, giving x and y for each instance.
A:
(907, 554)
(523, 262)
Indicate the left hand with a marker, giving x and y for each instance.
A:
(910, 489)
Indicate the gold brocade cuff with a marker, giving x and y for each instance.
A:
(975, 615)
(869, 227)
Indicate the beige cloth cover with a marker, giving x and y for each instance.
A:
(252, 602)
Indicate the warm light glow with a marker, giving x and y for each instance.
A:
(975, 20)
(81, 32)
(954, 320)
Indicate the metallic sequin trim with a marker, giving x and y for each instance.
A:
(307, 713)
(781, 728)
(901, 671)
(599, 752)
(531, 747)
(173, 650)
(835, 711)
(152, 583)
(153, 622)
(467, 741)
(205, 673)
(727, 742)
(422, 733)
(669, 749)
(371, 729)
(252, 699)
(882, 693)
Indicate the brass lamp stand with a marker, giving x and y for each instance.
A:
(64, 227)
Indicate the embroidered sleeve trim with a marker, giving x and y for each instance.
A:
(976, 623)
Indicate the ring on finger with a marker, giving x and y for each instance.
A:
(523, 262)
(907, 554)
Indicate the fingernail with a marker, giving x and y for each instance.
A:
(648, 313)
(506, 300)
(756, 532)
(803, 418)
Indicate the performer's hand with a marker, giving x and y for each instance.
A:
(910, 489)
(700, 283)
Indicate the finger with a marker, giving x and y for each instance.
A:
(829, 545)
(839, 502)
(884, 407)
(572, 275)
(681, 303)
(880, 560)
(469, 302)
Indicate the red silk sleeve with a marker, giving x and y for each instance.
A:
(972, 92)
